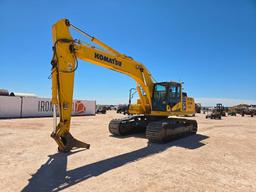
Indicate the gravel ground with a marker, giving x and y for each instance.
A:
(221, 157)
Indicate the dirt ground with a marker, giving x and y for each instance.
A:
(221, 157)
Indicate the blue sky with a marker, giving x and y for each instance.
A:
(208, 44)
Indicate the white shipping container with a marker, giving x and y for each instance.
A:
(83, 107)
(36, 107)
(42, 107)
(10, 107)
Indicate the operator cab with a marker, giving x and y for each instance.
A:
(166, 93)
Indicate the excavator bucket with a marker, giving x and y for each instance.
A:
(67, 142)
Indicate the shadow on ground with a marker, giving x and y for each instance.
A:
(53, 175)
(141, 135)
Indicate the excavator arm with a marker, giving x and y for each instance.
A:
(64, 64)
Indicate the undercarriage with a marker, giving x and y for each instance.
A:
(157, 129)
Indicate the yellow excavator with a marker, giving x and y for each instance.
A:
(157, 100)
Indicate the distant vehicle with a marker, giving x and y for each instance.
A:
(113, 107)
(250, 110)
(220, 108)
(231, 112)
(243, 110)
(214, 114)
(122, 109)
(198, 107)
(4, 92)
(101, 109)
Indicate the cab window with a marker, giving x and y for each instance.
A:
(174, 94)
(159, 97)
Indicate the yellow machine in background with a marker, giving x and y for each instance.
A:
(157, 100)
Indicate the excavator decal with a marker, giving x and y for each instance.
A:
(107, 59)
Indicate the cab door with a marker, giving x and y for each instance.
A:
(174, 95)
(160, 97)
